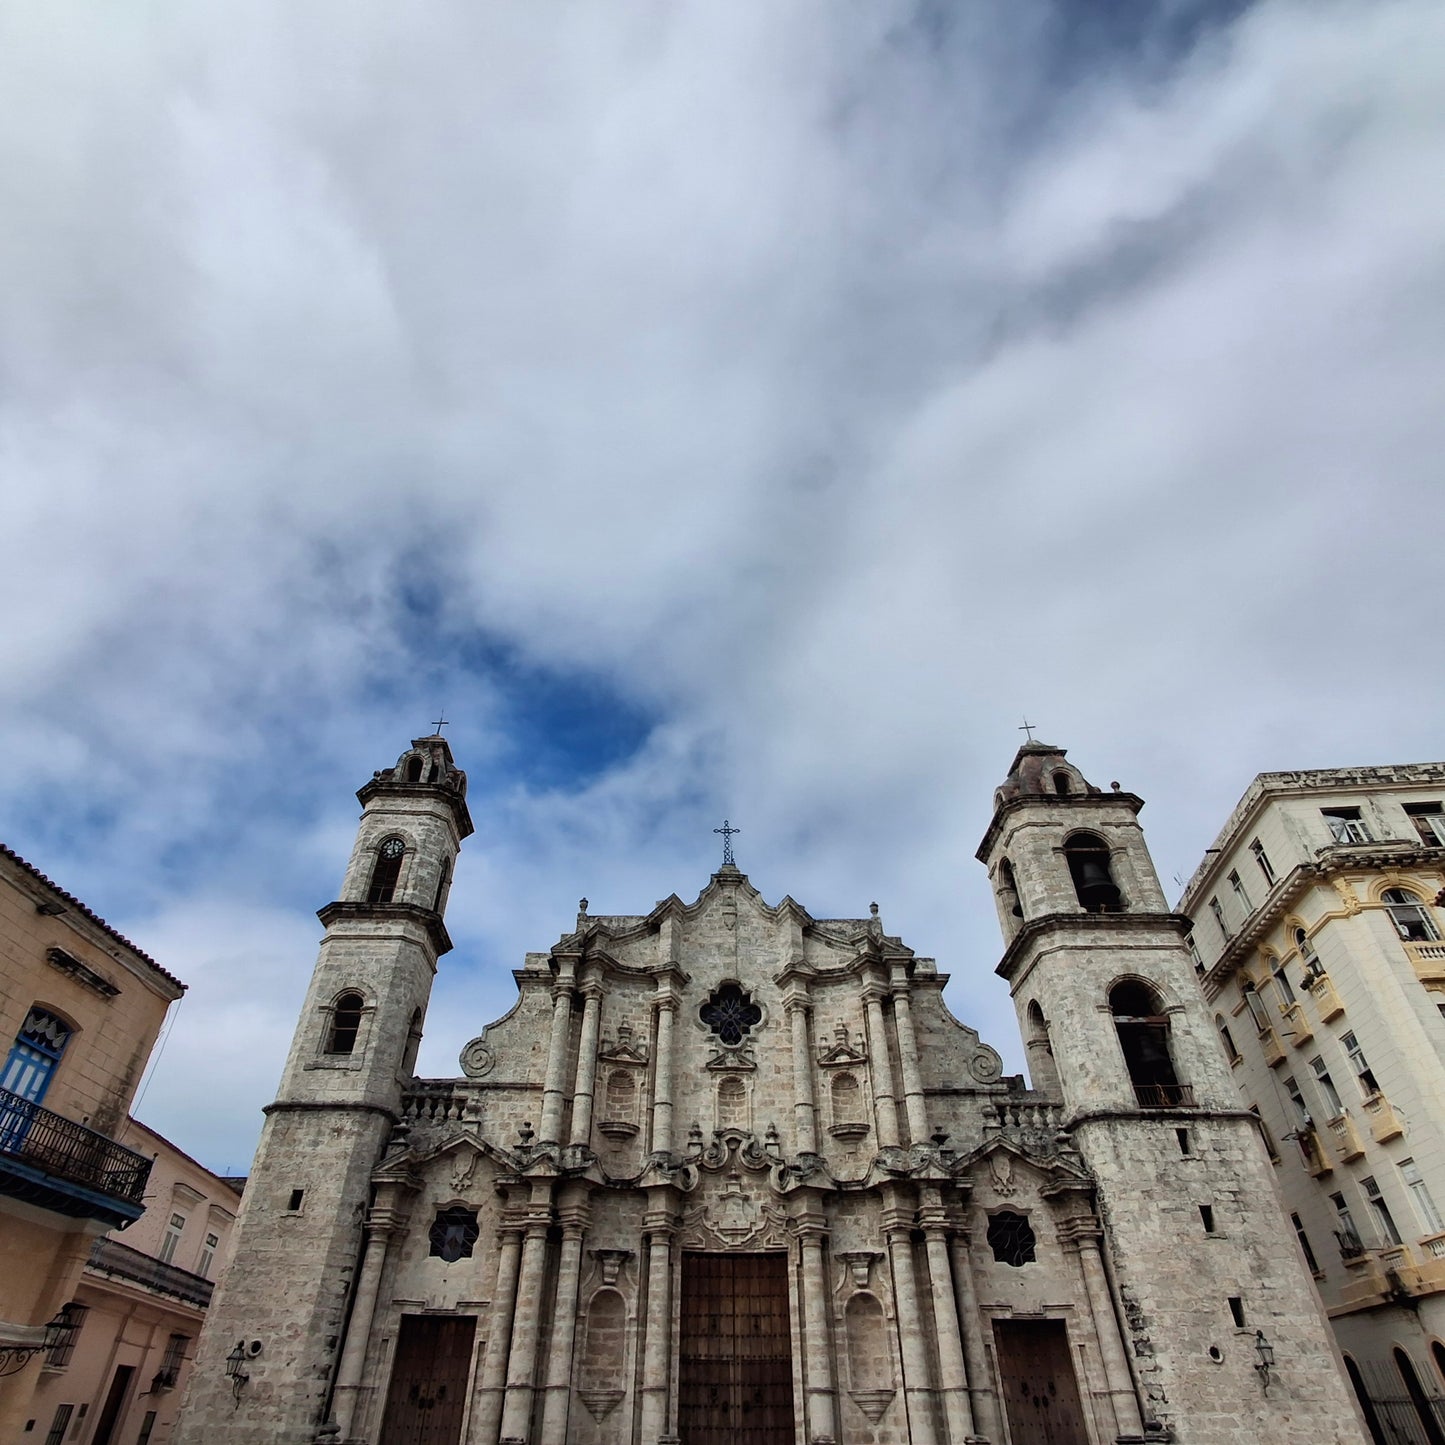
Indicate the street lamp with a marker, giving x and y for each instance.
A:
(1265, 1363)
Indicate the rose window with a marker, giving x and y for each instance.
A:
(730, 1013)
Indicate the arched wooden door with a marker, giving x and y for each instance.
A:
(1040, 1391)
(427, 1396)
(735, 1382)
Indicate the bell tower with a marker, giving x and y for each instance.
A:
(298, 1235)
(1201, 1256)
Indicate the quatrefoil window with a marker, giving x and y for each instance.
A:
(730, 1013)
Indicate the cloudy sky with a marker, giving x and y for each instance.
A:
(719, 409)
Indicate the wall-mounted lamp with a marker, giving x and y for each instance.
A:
(59, 1331)
(235, 1365)
(1265, 1363)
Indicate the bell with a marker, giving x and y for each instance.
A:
(1095, 887)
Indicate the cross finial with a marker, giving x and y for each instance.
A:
(1028, 728)
(727, 831)
(439, 724)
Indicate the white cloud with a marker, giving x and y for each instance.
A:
(832, 388)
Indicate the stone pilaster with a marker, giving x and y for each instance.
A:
(805, 1109)
(818, 1358)
(584, 1088)
(573, 1214)
(1083, 1235)
(383, 1221)
(554, 1084)
(527, 1319)
(981, 1390)
(953, 1374)
(913, 1101)
(487, 1420)
(880, 1063)
(664, 1004)
(659, 1226)
(917, 1384)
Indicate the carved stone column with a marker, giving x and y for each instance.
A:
(664, 1004)
(584, 1090)
(913, 1101)
(818, 1360)
(659, 1226)
(381, 1224)
(526, 1322)
(554, 1086)
(492, 1388)
(917, 1385)
(1083, 1235)
(880, 1064)
(953, 1381)
(975, 1351)
(573, 1214)
(805, 1109)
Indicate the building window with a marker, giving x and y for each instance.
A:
(1304, 1244)
(1281, 981)
(1271, 1148)
(147, 1424)
(1424, 1407)
(1193, 948)
(1009, 890)
(1411, 918)
(34, 1055)
(1307, 952)
(730, 1013)
(1226, 1037)
(59, 1423)
(1061, 784)
(1420, 1194)
(1383, 1219)
(1218, 913)
(208, 1256)
(58, 1357)
(1262, 858)
(453, 1233)
(1011, 1238)
(1258, 1010)
(1369, 1086)
(172, 1237)
(386, 871)
(1301, 1114)
(1088, 858)
(171, 1362)
(1143, 1029)
(1429, 823)
(1327, 1088)
(345, 1023)
(1240, 896)
(1345, 825)
(1351, 1246)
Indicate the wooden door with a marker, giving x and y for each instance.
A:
(428, 1391)
(736, 1375)
(1039, 1388)
(114, 1403)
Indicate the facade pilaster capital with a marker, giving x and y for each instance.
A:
(666, 1000)
(383, 1221)
(593, 988)
(1081, 1233)
(898, 1223)
(933, 1219)
(797, 999)
(874, 991)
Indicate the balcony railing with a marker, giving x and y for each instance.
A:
(110, 1256)
(1164, 1096)
(66, 1150)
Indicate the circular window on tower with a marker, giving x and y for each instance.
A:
(730, 1013)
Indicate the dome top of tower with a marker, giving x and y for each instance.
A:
(426, 765)
(1040, 768)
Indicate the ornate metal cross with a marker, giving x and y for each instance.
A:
(727, 831)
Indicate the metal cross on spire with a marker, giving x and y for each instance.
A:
(439, 724)
(727, 831)
(1028, 728)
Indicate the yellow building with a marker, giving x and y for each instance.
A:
(80, 1009)
(1318, 942)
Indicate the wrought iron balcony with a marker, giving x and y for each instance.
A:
(61, 1165)
(110, 1256)
(1164, 1096)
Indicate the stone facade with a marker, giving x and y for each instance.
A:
(727, 1170)
(1318, 943)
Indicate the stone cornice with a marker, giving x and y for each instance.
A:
(428, 918)
(1036, 928)
(1056, 803)
(443, 792)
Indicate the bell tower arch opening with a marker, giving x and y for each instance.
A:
(1087, 855)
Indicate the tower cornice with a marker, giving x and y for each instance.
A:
(428, 918)
(1083, 801)
(1036, 929)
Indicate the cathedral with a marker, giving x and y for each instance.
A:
(730, 1174)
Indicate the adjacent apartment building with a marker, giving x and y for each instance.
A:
(80, 1009)
(1317, 938)
(138, 1306)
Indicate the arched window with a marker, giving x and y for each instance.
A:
(444, 883)
(1009, 890)
(1281, 980)
(35, 1054)
(1429, 1421)
(1061, 784)
(386, 871)
(413, 1043)
(413, 769)
(1143, 1029)
(1226, 1037)
(1437, 1353)
(1307, 952)
(345, 1023)
(1367, 1405)
(1410, 916)
(732, 1103)
(1043, 1071)
(1088, 858)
